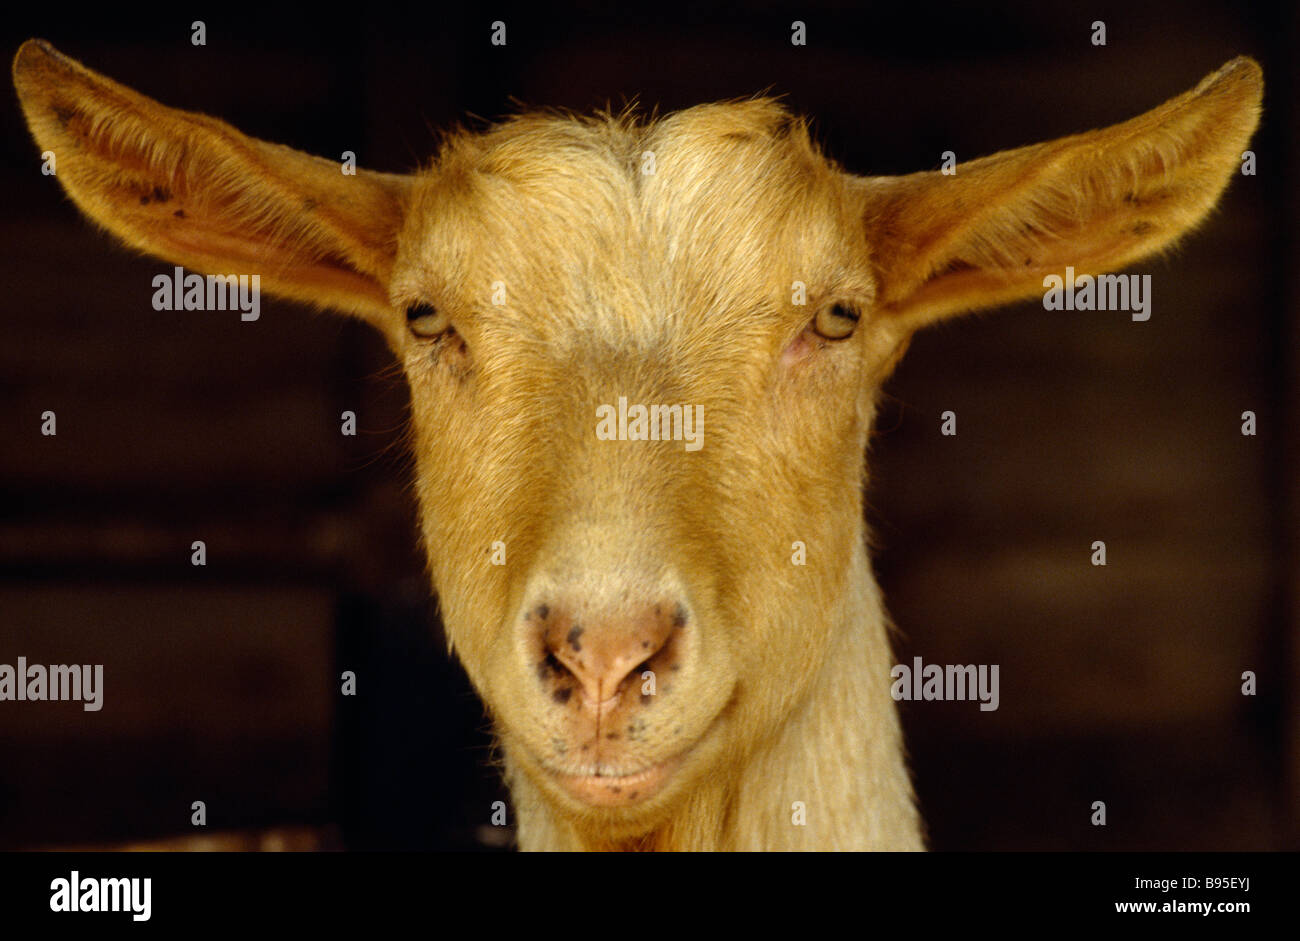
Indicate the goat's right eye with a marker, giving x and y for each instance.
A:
(836, 322)
(426, 322)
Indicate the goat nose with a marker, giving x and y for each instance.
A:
(602, 653)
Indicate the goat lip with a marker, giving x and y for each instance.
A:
(619, 790)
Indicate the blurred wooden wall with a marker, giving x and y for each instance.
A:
(1118, 683)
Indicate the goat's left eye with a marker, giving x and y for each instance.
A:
(426, 322)
(836, 321)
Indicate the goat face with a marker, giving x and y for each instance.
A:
(639, 613)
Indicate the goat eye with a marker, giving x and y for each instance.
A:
(424, 321)
(835, 322)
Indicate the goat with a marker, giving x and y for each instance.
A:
(680, 647)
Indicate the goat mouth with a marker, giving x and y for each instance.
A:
(619, 790)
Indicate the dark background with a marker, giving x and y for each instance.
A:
(1119, 683)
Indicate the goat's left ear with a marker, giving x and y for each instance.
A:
(990, 233)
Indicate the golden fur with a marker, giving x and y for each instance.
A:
(572, 277)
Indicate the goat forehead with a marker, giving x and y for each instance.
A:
(705, 213)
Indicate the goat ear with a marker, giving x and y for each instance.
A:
(195, 191)
(1097, 201)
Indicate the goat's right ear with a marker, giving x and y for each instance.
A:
(194, 191)
(993, 230)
